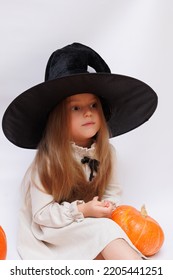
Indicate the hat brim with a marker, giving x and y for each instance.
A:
(131, 103)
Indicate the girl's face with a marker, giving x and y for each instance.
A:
(85, 121)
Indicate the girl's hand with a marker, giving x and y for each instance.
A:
(96, 208)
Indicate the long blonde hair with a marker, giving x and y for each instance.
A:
(60, 174)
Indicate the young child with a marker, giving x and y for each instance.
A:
(71, 189)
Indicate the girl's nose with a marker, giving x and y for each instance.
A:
(87, 111)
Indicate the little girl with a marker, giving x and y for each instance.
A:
(71, 189)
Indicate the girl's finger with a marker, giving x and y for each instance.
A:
(95, 198)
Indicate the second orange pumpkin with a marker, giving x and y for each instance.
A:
(3, 244)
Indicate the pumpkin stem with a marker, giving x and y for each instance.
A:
(144, 211)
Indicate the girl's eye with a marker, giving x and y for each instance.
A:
(93, 105)
(75, 108)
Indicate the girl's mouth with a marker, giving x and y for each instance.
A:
(88, 124)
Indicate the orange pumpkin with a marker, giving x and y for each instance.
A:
(3, 244)
(143, 231)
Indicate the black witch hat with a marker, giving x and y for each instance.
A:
(127, 102)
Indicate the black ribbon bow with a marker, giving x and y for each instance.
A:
(93, 165)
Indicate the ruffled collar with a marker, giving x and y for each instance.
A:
(83, 151)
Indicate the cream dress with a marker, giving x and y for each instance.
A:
(48, 230)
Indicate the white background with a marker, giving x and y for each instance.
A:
(135, 38)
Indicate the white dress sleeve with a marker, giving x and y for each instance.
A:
(113, 191)
(47, 212)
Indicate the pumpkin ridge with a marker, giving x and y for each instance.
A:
(160, 236)
(141, 233)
